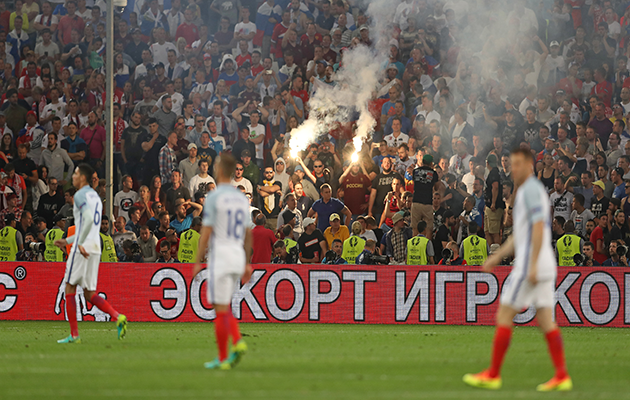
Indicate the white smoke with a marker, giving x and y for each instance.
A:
(356, 81)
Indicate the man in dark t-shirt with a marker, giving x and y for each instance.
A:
(312, 243)
(424, 179)
(493, 198)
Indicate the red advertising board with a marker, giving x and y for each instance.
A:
(585, 296)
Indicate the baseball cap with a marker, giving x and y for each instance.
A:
(207, 57)
(554, 43)
(58, 217)
(393, 42)
(159, 65)
(298, 168)
(398, 217)
(9, 217)
(561, 91)
(333, 217)
(136, 30)
(463, 140)
(619, 171)
(307, 221)
(420, 117)
(363, 28)
(427, 159)
(192, 146)
(600, 185)
(31, 113)
(246, 153)
(150, 67)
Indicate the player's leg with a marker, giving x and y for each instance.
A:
(101, 303)
(561, 380)
(71, 311)
(91, 281)
(491, 378)
(222, 335)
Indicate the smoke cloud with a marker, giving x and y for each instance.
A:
(355, 82)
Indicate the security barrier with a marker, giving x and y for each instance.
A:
(585, 296)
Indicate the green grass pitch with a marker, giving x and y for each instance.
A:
(294, 361)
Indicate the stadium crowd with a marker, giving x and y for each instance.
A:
(465, 82)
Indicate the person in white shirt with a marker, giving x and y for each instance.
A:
(55, 108)
(200, 181)
(47, 51)
(240, 180)
(125, 198)
(554, 67)
(160, 49)
(459, 164)
(396, 138)
(176, 98)
(426, 109)
(174, 16)
(527, 20)
(469, 178)
(245, 30)
(257, 136)
(614, 28)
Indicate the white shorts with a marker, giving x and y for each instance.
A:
(81, 271)
(221, 286)
(519, 294)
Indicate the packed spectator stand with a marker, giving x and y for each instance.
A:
(466, 82)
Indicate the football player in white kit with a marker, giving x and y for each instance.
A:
(532, 280)
(85, 254)
(226, 240)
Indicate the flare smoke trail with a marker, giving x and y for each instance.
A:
(355, 82)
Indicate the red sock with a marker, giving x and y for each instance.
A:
(71, 310)
(221, 329)
(104, 306)
(235, 333)
(500, 346)
(556, 350)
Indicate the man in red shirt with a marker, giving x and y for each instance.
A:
(69, 22)
(356, 186)
(94, 137)
(597, 236)
(244, 53)
(278, 33)
(263, 240)
(603, 89)
(297, 89)
(188, 30)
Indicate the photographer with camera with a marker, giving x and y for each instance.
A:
(284, 256)
(368, 256)
(450, 255)
(333, 256)
(568, 246)
(131, 252)
(588, 249)
(33, 251)
(617, 250)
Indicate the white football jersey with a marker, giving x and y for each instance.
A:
(226, 210)
(88, 211)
